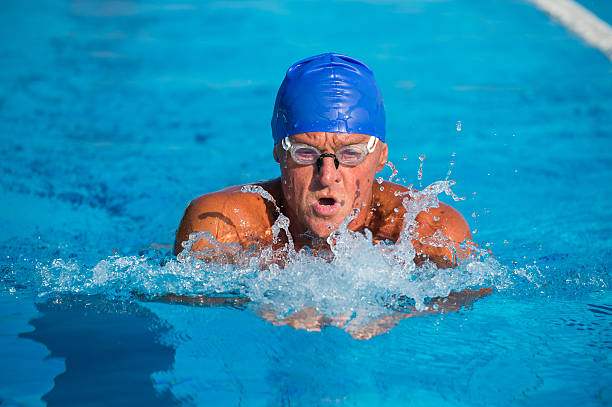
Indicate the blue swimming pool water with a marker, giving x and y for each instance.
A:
(113, 115)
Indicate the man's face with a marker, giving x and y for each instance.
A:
(317, 201)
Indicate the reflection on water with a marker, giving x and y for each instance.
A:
(110, 349)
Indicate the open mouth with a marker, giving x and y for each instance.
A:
(326, 206)
(327, 201)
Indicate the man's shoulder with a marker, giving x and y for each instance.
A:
(237, 198)
(443, 217)
(388, 198)
(230, 215)
(447, 219)
(241, 211)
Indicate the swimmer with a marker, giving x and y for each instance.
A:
(329, 136)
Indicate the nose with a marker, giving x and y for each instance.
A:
(328, 169)
(322, 156)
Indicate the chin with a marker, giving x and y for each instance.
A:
(319, 233)
(322, 231)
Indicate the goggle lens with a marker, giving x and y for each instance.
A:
(305, 154)
(351, 155)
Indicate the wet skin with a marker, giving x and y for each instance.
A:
(317, 201)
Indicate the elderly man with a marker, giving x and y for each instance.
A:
(329, 139)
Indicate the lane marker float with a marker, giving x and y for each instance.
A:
(593, 30)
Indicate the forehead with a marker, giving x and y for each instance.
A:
(319, 138)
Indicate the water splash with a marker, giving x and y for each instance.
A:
(420, 171)
(394, 171)
(281, 222)
(450, 166)
(215, 249)
(360, 279)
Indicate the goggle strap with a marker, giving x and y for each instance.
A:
(286, 143)
(372, 144)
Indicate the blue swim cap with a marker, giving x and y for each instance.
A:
(328, 92)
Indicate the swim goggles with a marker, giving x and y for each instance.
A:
(350, 156)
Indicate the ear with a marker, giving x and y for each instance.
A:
(384, 151)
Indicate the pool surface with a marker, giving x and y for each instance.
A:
(115, 114)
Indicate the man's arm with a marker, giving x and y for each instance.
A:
(310, 319)
(207, 213)
(444, 236)
(442, 231)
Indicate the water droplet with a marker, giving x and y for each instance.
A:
(459, 125)
(395, 210)
(420, 172)
(473, 214)
(450, 170)
(379, 180)
(393, 170)
(436, 218)
(382, 188)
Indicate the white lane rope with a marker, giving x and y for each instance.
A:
(581, 21)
